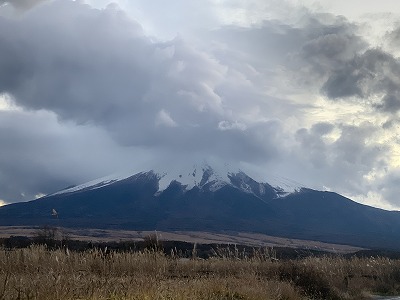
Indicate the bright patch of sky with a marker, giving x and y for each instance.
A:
(6, 103)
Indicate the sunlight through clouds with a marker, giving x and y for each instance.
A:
(6, 103)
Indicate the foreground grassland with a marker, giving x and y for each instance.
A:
(38, 273)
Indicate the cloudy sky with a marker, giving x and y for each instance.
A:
(308, 90)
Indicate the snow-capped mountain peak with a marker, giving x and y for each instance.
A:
(195, 176)
(202, 176)
(94, 184)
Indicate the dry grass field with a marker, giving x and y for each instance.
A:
(39, 273)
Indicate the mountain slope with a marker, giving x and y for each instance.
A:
(203, 199)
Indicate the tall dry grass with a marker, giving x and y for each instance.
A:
(38, 273)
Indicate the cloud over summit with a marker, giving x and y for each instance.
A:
(85, 76)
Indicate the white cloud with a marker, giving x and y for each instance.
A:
(164, 119)
(7, 104)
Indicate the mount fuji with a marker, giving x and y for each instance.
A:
(203, 198)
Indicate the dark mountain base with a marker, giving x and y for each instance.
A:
(243, 205)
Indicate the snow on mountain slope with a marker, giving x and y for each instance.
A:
(284, 185)
(198, 175)
(94, 184)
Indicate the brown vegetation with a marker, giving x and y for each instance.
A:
(38, 273)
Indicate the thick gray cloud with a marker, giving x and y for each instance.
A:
(96, 68)
(327, 52)
(95, 94)
(39, 155)
(350, 68)
(101, 69)
(389, 186)
(69, 67)
(330, 42)
(369, 74)
(392, 38)
(313, 50)
(351, 156)
(22, 5)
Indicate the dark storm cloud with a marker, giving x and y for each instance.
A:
(390, 102)
(330, 42)
(371, 73)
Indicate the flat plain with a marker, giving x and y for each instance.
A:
(223, 238)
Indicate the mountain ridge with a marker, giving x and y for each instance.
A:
(205, 200)
(190, 178)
